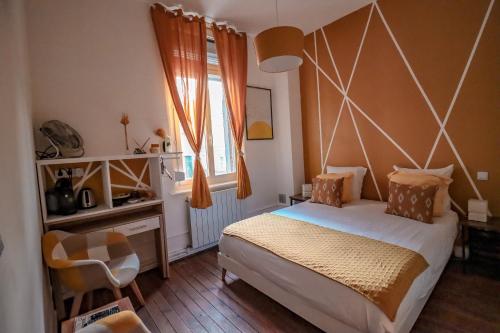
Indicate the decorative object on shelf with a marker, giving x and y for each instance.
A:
(140, 149)
(125, 121)
(149, 194)
(160, 132)
(279, 49)
(165, 143)
(154, 148)
(478, 210)
(64, 141)
(259, 114)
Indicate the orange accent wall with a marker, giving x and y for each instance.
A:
(384, 100)
(117, 178)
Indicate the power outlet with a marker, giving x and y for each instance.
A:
(482, 175)
(282, 198)
(77, 173)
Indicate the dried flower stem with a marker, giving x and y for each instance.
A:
(125, 121)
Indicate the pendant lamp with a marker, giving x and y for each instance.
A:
(279, 49)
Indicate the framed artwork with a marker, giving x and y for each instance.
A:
(259, 114)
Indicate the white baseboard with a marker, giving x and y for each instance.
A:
(179, 254)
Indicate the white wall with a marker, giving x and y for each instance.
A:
(24, 300)
(92, 60)
(290, 160)
(261, 158)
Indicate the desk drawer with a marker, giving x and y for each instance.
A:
(139, 226)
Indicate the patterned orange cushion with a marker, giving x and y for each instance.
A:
(347, 185)
(327, 191)
(413, 202)
(422, 179)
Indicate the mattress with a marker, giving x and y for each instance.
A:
(365, 218)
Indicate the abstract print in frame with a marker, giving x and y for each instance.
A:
(259, 114)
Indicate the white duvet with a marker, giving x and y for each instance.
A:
(365, 218)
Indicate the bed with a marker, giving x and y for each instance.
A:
(330, 305)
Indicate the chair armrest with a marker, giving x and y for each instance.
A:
(61, 264)
(110, 237)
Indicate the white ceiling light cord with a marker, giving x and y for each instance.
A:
(277, 16)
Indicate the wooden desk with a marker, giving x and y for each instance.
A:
(130, 223)
(68, 326)
(134, 224)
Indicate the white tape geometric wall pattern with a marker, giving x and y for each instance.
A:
(88, 173)
(344, 86)
(130, 175)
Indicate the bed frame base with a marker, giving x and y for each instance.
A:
(297, 305)
(290, 301)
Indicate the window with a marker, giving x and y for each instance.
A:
(218, 155)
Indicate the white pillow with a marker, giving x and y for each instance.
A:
(446, 171)
(357, 181)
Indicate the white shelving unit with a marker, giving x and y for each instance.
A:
(105, 166)
(143, 223)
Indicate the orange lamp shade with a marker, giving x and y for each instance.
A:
(279, 49)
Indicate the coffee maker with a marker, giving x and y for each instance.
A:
(66, 202)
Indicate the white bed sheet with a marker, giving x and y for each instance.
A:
(365, 218)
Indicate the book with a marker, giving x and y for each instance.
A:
(89, 318)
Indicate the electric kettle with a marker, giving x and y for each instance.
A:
(86, 198)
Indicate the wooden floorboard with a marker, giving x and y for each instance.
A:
(195, 300)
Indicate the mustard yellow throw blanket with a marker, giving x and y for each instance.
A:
(381, 272)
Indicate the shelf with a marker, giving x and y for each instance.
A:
(167, 155)
(97, 159)
(100, 210)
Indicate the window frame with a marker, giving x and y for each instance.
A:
(212, 178)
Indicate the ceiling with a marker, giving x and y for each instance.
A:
(253, 16)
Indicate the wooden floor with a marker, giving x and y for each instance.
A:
(194, 299)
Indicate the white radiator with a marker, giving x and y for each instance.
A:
(207, 224)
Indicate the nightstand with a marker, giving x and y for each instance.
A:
(483, 239)
(297, 198)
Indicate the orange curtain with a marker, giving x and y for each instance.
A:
(183, 48)
(232, 54)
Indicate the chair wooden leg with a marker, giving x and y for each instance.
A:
(117, 292)
(137, 292)
(224, 275)
(77, 302)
